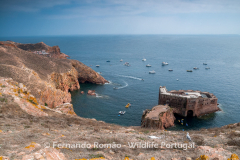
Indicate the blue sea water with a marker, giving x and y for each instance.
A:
(182, 52)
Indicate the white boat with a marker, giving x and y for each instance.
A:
(177, 80)
(207, 68)
(152, 72)
(143, 59)
(97, 65)
(148, 65)
(122, 112)
(195, 68)
(164, 63)
(170, 70)
(121, 60)
(204, 63)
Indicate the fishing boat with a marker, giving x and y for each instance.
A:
(121, 60)
(164, 63)
(170, 70)
(128, 105)
(148, 65)
(152, 72)
(144, 59)
(195, 68)
(122, 112)
(97, 65)
(189, 70)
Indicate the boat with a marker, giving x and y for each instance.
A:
(204, 63)
(164, 63)
(128, 105)
(170, 70)
(121, 60)
(115, 88)
(207, 68)
(177, 80)
(126, 64)
(195, 68)
(143, 59)
(122, 112)
(108, 61)
(148, 65)
(152, 72)
(97, 65)
(189, 70)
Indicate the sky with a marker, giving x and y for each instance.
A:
(90, 17)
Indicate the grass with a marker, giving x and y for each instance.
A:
(3, 86)
(3, 99)
(96, 155)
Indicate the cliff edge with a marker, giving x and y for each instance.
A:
(49, 79)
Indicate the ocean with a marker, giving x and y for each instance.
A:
(182, 52)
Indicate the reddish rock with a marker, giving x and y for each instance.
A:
(91, 92)
(49, 80)
(87, 74)
(160, 116)
(66, 108)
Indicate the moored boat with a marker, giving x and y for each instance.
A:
(148, 65)
(170, 70)
(97, 65)
(204, 63)
(195, 68)
(189, 70)
(144, 59)
(121, 60)
(207, 68)
(164, 63)
(152, 72)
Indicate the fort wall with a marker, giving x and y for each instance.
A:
(188, 102)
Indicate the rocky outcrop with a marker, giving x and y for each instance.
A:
(86, 74)
(52, 51)
(159, 117)
(91, 92)
(49, 80)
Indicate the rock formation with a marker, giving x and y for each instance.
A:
(159, 117)
(48, 79)
(91, 92)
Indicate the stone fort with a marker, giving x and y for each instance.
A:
(188, 102)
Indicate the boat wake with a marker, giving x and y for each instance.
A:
(131, 77)
(101, 96)
(126, 84)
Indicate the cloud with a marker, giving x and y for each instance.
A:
(123, 7)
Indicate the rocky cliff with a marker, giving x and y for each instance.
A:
(159, 117)
(52, 51)
(48, 79)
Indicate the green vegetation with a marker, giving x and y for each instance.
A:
(96, 155)
(3, 86)
(30, 100)
(3, 99)
(46, 104)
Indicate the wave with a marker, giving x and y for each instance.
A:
(131, 77)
